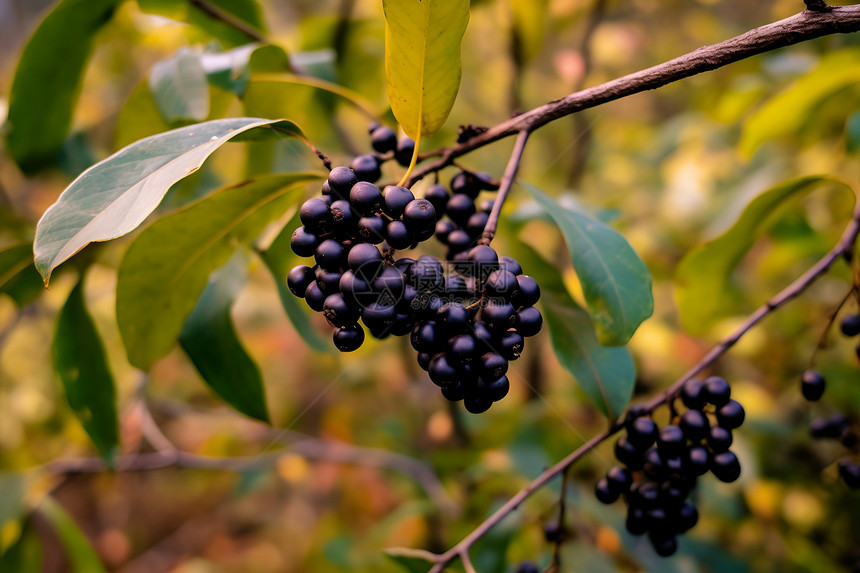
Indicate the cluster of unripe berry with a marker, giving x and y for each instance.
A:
(660, 466)
(836, 427)
(467, 317)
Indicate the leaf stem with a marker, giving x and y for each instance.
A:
(414, 160)
(504, 188)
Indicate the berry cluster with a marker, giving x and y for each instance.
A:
(836, 427)
(464, 221)
(467, 317)
(660, 466)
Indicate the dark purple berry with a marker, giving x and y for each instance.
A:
(693, 394)
(665, 546)
(695, 425)
(462, 348)
(426, 273)
(671, 441)
(511, 265)
(398, 235)
(337, 312)
(492, 365)
(528, 321)
(420, 214)
(453, 317)
(438, 196)
(636, 523)
(455, 391)
(502, 284)
(396, 199)
(443, 229)
(726, 467)
(642, 433)
(365, 259)
(330, 255)
(390, 284)
(604, 492)
(720, 439)
(832, 427)
(477, 403)
(348, 338)
(812, 385)
(850, 325)
(328, 281)
(365, 198)
(341, 180)
(529, 291)
(304, 242)
(366, 168)
(850, 473)
(405, 150)
(476, 223)
(315, 297)
(731, 415)
(619, 479)
(424, 359)
(299, 278)
(498, 388)
(465, 184)
(342, 215)
(688, 516)
(628, 454)
(383, 139)
(499, 316)
(371, 229)
(459, 240)
(698, 460)
(459, 209)
(511, 345)
(717, 391)
(315, 215)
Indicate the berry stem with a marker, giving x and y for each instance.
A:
(504, 188)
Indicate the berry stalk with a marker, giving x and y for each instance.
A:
(505, 187)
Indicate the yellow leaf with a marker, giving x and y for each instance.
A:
(422, 60)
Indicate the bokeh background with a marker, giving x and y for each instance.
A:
(321, 491)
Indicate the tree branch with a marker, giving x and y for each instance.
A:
(801, 27)
(843, 247)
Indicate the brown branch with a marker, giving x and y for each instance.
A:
(843, 247)
(801, 27)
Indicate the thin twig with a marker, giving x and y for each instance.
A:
(504, 188)
(219, 14)
(796, 29)
(560, 526)
(845, 244)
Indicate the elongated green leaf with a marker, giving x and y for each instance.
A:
(48, 78)
(82, 366)
(412, 560)
(246, 12)
(702, 280)
(422, 60)
(789, 111)
(166, 268)
(605, 373)
(18, 277)
(82, 557)
(615, 281)
(113, 197)
(179, 87)
(209, 339)
(279, 259)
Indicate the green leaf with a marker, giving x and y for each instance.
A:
(787, 112)
(615, 281)
(412, 560)
(702, 279)
(48, 79)
(852, 133)
(279, 259)
(18, 277)
(25, 552)
(82, 366)
(230, 70)
(247, 12)
(179, 87)
(14, 488)
(209, 339)
(166, 268)
(422, 60)
(605, 373)
(82, 558)
(113, 197)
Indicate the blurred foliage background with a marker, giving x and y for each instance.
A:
(669, 169)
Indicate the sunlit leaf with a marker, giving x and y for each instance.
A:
(82, 557)
(605, 373)
(166, 268)
(113, 197)
(209, 339)
(48, 79)
(787, 112)
(615, 281)
(422, 60)
(412, 560)
(18, 277)
(279, 259)
(702, 279)
(179, 87)
(82, 366)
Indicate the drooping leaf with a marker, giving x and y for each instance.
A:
(422, 60)
(412, 560)
(279, 259)
(209, 339)
(229, 70)
(18, 277)
(605, 373)
(48, 79)
(702, 280)
(245, 12)
(615, 281)
(82, 557)
(179, 87)
(113, 197)
(168, 265)
(790, 110)
(82, 366)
